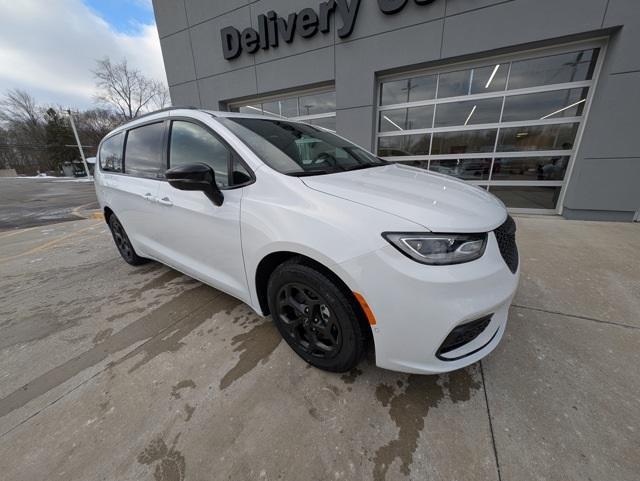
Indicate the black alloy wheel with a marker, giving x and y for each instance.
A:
(123, 243)
(315, 316)
(308, 320)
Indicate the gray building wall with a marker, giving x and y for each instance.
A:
(605, 182)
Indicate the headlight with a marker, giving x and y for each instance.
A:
(438, 249)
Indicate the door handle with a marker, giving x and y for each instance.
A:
(148, 197)
(165, 201)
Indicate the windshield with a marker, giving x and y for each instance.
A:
(298, 149)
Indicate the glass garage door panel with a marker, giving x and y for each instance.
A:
(510, 126)
(315, 108)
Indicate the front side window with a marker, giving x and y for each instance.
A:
(143, 153)
(111, 154)
(299, 149)
(190, 143)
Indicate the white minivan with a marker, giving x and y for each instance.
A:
(338, 246)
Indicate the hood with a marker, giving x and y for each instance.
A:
(437, 202)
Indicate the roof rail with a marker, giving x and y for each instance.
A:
(166, 109)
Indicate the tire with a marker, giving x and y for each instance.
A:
(123, 243)
(315, 317)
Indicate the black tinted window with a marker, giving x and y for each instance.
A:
(143, 155)
(111, 154)
(191, 143)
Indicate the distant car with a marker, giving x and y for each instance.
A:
(337, 245)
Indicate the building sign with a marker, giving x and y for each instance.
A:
(306, 23)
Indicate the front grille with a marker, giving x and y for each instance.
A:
(464, 334)
(506, 237)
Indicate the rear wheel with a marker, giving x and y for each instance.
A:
(315, 317)
(123, 243)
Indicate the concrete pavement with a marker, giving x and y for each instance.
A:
(113, 372)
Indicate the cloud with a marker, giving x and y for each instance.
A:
(49, 47)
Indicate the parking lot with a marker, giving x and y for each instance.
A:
(26, 202)
(110, 372)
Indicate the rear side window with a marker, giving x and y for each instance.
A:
(191, 143)
(111, 154)
(143, 153)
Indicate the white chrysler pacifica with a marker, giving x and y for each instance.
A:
(340, 247)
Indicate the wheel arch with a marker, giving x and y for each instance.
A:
(271, 261)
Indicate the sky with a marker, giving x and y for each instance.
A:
(49, 47)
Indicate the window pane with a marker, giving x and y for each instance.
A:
(545, 105)
(527, 197)
(406, 119)
(318, 103)
(555, 69)
(408, 90)
(327, 123)
(143, 155)
(530, 168)
(539, 137)
(468, 169)
(191, 143)
(492, 78)
(404, 145)
(111, 153)
(240, 174)
(463, 142)
(468, 113)
(282, 108)
(248, 109)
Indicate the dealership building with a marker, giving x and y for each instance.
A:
(537, 101)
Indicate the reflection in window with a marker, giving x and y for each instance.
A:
(553, 69)
(468, 113)
(143, 153)
(538, 197)
(318, 103)
(408, 90)
(404, 145)
(465, 141)
(473, 81)
(111, 153)
(406, 119)
(468, 169)
(545, 105)
(530, 168)
(537, 137)
(248, 109)
(191, 143)
(281, 108)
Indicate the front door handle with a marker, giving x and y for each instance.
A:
(165, 201)
(148, 197)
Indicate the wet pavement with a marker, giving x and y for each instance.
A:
(26, 202)
(112, 372)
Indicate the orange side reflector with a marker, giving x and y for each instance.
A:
(365, 307)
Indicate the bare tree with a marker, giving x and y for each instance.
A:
(126, 89)
(23, 141)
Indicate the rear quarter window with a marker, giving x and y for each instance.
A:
(111, 153)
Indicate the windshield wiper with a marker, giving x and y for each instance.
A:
(306, 173)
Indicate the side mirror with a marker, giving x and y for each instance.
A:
(196, 177)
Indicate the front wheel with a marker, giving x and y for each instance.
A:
(315, 317)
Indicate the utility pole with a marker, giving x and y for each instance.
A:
(75, 133)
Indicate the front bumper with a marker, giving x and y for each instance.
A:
(417, 306)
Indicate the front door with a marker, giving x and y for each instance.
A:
(198, 237)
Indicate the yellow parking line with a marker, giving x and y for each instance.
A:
(48, 244)
(77, 210)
